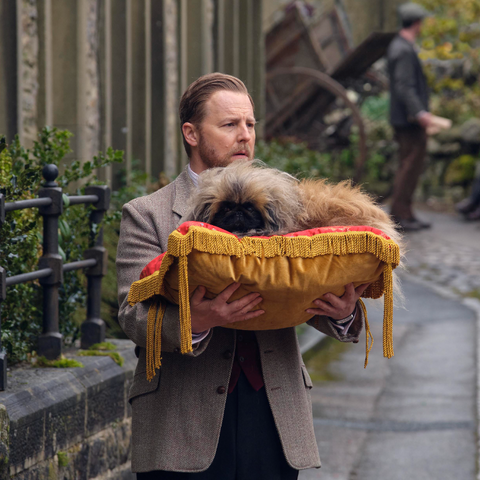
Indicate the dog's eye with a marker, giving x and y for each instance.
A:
(226, 209)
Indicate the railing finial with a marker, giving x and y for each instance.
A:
(50, 173)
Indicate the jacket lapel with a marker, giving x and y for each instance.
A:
(183, 189)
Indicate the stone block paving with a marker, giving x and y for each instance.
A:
(448, 254)
(413, 416)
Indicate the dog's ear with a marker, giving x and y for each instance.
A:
(203, 214)
(272, 222)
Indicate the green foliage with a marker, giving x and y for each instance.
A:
(461, 171)
(297, 159)
(115, 356)
(21, 237)
(61, 363)
(452, 34)
(302, 162)
(137, 187)
(63, 459)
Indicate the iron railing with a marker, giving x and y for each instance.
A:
(51, 267)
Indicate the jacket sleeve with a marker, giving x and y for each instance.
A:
(404, 79)
(138, 245)
(324, 325)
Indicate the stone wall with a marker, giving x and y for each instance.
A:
(92, 91)
(29, 70)
(71, 423)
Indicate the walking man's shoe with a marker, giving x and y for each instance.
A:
(465, 206)
(408, 225)
(475, 215)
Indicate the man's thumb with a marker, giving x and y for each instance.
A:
(198, 294)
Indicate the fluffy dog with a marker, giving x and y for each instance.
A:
(247, 198)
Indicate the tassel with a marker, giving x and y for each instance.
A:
(368, 333)
(151, 318)
(184, 302)
(388, 312)
(158, 334)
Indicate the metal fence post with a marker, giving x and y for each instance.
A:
(3, 354)
(93, 328)
(50, 341)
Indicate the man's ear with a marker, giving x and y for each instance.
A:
(190, 132)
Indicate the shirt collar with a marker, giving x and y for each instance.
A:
(193, 176)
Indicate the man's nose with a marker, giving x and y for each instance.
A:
(244, 135)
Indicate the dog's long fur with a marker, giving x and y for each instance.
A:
(287, 204)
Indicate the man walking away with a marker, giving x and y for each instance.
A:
(409, 113)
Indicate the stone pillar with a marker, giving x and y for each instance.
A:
(75, 74)
(118, 84)
(105, 79)
(174, 60)
(231, 37)
(27, 65)
(136, 71)
(158, 113)
(45, 93)
(91, 100)
(8, 69)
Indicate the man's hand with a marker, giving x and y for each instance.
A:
(217, 312)
(424, 119)
(338, 307)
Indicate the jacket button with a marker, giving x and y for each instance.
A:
(221, 390)
(176, 350)
(227, 354)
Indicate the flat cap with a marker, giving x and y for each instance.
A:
(411, 12)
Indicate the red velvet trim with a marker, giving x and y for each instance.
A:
(154, 265)
(183, 229)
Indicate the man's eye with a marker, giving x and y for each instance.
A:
(229, 124)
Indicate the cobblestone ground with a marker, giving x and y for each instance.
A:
(448, 254)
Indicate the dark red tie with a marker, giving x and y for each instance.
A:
(247, 359)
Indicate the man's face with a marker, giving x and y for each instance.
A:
(227, 132)
(417, 27)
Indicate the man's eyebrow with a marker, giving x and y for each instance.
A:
(236, 119)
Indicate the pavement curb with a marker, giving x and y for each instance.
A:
(474, 305)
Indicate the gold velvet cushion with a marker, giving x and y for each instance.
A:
(289, 271)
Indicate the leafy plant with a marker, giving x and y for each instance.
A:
(21, 237)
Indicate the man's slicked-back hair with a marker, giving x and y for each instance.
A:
(192, 103)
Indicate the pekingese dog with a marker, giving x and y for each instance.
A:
(247, 198)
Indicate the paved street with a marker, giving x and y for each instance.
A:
(413, 416)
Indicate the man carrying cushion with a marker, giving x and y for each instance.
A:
(238, 406)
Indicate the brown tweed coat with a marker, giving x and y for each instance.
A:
(178, 415)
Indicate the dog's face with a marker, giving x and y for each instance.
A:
(238, 218)
(246, 200)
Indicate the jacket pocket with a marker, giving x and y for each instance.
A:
(141, 385)
(306, 377)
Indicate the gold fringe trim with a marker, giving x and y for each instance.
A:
(154, 335)
(184, 299)
(368, 333)
(219, 243)
(388, 311)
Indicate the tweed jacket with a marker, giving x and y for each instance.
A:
(408, 85)
(176, 417)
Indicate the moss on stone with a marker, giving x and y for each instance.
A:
(103, 346)
(63, 459)
(60, 363)
(115, 356)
